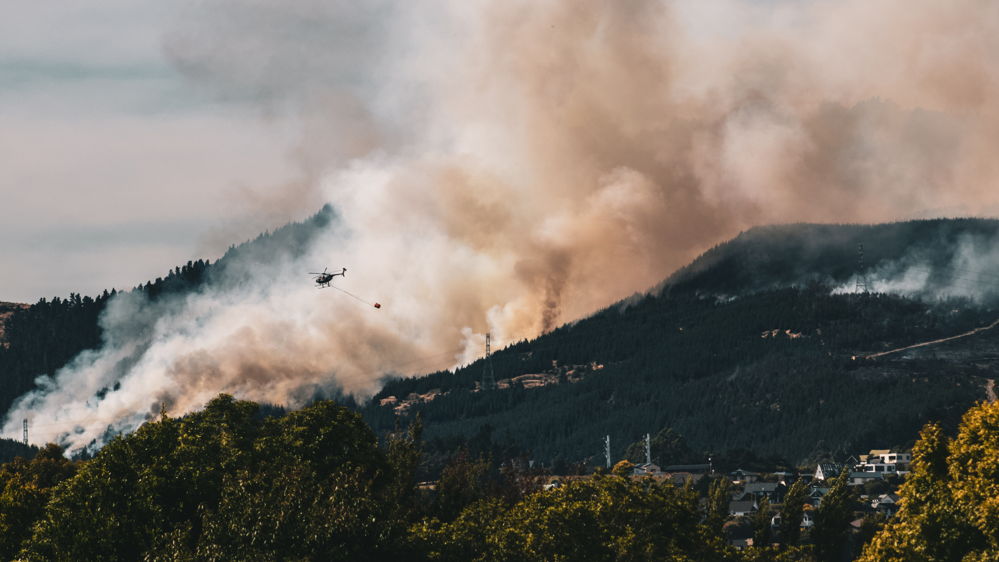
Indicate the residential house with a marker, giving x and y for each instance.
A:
(884, 461)
(815, 495)
(740, 508)
(681, 479)
(886, 503)
(828, 470)
(785, 478)
(646, 469)
(773, 491)
(807, 521)
(861, 478)
(744, 476)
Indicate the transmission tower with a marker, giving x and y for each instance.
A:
(607, 451)
(488, 376)
(648, 448)
(861, 274)
(25, 424)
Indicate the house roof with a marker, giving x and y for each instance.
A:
(686, 467)
(868, 475)
(756, 487)
(887, 498)
(682, 477)
(829, 468)
(741, 506)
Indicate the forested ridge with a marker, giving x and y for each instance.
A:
(773, 256)
(40, 338)
(745, 349)
(704, 368)
(762, 370)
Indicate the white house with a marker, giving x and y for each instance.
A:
(884, 461)
(827, 470)
(807, 521)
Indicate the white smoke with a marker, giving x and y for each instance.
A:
(971, 273)
(508, 166)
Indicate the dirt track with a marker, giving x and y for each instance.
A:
(934, 342)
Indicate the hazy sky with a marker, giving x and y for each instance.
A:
(499, 167)
(138, 134)
(114, 166)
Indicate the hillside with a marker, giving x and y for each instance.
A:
(957, 254)
(7, 309)
(746, 348)
(42, 337)
(772, 373)
(751, 347)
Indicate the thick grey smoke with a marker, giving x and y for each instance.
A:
(506, 166)
(966, 269)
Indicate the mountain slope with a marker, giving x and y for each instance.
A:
(41, 338)
(773, 373)
(751, 346)
(746, 348)
(954, 253)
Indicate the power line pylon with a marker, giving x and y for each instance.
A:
(488, 376)
(25, 424)
(862, 286)
(607, 454)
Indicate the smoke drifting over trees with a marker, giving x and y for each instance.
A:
(508, 166)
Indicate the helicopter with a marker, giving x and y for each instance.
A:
(324, 279)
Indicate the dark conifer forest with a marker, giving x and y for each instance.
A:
(40, 338)
(755, 356)
(745, 349)
(705, 369)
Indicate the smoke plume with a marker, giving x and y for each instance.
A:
(966, 268)
(507, 166)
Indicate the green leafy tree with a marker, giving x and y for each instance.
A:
(948, 502)
(26, 489)
(623, 468)
(762, 535)
(226, 483)
(791, 513)
(403, 453)
(832, 519)
(604, 518)
(463, 481)
(719, 496)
